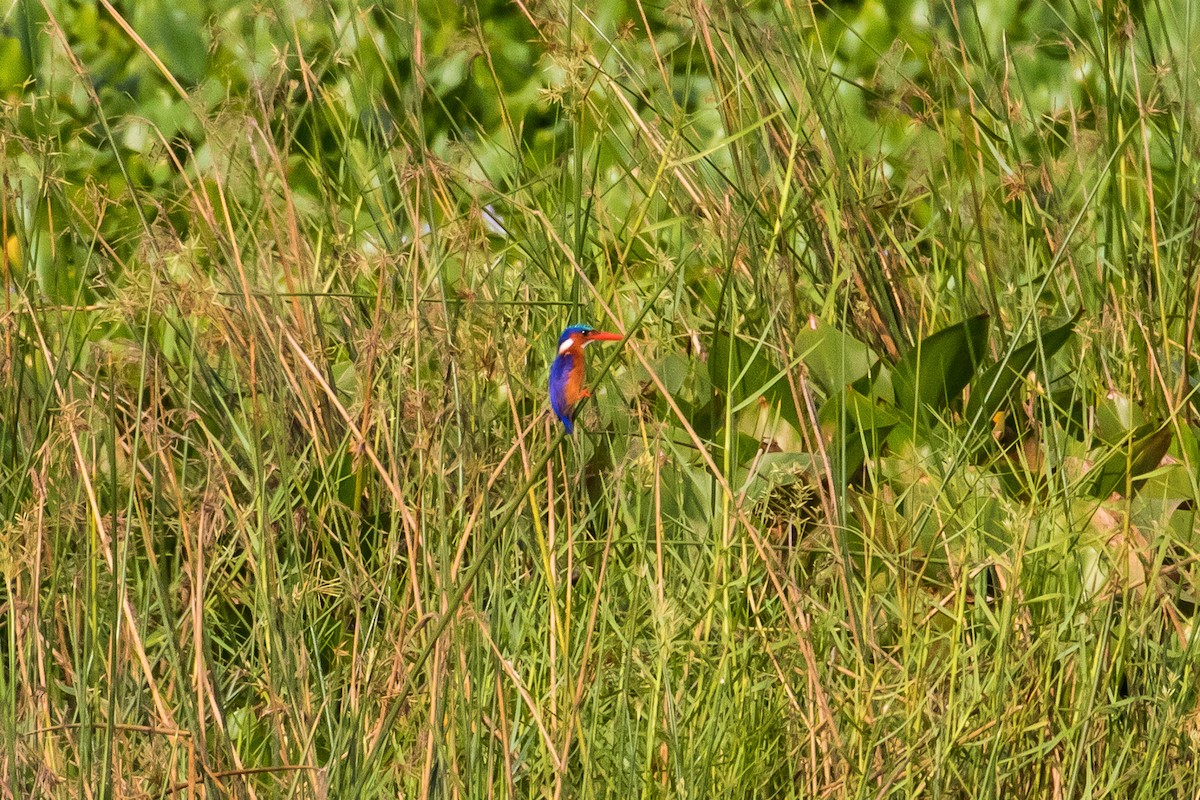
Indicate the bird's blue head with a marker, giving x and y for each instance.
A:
(575, 330)
(576, 337)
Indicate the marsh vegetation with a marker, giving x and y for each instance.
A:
(890, 491)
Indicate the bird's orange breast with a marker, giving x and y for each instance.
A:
(573, 389)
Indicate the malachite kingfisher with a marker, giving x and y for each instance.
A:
(566, 373)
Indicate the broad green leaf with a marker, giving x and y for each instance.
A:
(176, 31)
(992, 389)
(673, 370)
(14, 70)
(1169, 482)
(859, 426)
(1116, 416)
(930, 375)
(834, 359)
(877, 383)
(30, 19)
(743, 370)
(865, 413)
(1124, 466)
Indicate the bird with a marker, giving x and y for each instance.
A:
(566, 373)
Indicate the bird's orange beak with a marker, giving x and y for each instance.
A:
(604, 336)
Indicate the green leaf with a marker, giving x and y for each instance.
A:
(992, 389)
(14, 70)
(834, 359)
(1124, 465)
(1117, 415)
(743, 370)
(673, 370)
(30, 19)
(861, 412)
(177, 33)
(860, 426)
(933, 373)
(877, 383)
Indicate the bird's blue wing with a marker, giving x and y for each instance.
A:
(560, 371)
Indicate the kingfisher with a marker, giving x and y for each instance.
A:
(566, 374)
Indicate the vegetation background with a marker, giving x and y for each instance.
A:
(282, 509)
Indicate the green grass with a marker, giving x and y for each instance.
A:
(285, 512)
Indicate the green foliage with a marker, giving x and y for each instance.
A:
(994, 388)
(835, 359)
(283, 511)
(860, 416)
(1121, 469)
(934, 372)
